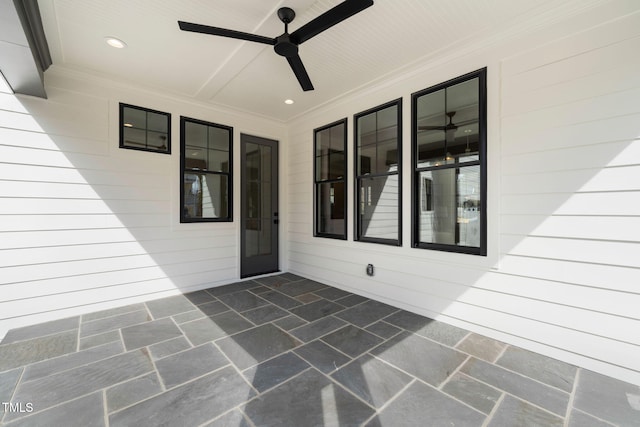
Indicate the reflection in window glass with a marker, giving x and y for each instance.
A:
(377, 151)
(449, 161)
(330, 180)
(206, 171)
(145, 129)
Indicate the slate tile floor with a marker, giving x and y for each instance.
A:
(288, 351)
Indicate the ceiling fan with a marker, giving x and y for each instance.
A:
(287, 44)
(449, 129)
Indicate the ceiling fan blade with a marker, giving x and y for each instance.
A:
(432, 127)
(301, 74)
(328, 19)
(215, 31)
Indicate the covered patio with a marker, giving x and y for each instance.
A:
(284, 350)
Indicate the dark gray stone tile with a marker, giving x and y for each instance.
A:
(234, 287)
(316, 310)
(102, 314)
(256, 345)
(275, 371)
(425, 359)
(58, 388)
(260, 289)
(290, 322)
(351, 300)
(373, 381)
(188, 316)
(383, 329)
(265, 314)
(191, 404)
(280, 300)
(8, 382)
(482, 347)
(366, 313)
(309, 399)
(243, 301)
(546, 397)
(41, 330)
(527, 415)
(71, 361)
(322, 357)
(132, 391)
(352, 341)
(580, 419)
(292, 277)
(307, 298)
(313, 330)
(169, 306)
(99, 339)
(272, 281)
(149, 333)
(189, 364)
(34, 350)
(199, 297)
(544, 369)
(167, 348)
(429, 328)
(233, 418)
(87, 411)
(214, 327)
(293, 289)
(421, 405)
(472, 392)
(114, 322)
(332, 294)
(609, 399)
(213, 308)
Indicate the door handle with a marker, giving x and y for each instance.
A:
(276, 221)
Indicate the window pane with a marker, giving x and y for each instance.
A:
(330, 208)
(195, 135)
(157, 122)
(218, 161)
(448, 125)
(449, 201)
(157, 140)
(134, 118)
(205, 196)
(134, 137)
(218, 138)
(378, 210)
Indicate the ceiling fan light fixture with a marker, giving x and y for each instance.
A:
(115, 42)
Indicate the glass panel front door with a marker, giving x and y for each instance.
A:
(259, 206)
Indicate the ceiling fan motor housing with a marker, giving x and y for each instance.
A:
(285, 47)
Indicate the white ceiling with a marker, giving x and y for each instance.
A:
(386, 37)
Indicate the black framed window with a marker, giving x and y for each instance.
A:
(330, 180)
(145, 129)
(206, 171)
(378, 181)
(449, 139)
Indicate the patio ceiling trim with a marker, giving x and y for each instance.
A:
(24, 52)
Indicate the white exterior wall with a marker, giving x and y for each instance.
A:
(562, 275)
(85, 225)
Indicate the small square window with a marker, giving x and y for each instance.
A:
(145, 129)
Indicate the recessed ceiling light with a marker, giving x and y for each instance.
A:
(114, 42)
(128, 125)
(288, 101)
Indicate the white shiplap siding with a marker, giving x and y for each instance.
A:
(562, 273)
(85, 225)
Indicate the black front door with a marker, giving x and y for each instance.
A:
(258, 206)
